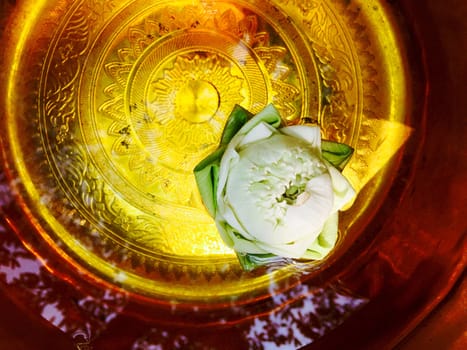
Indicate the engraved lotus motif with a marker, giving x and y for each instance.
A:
(131, 95)
(194, 64)
(186, 109)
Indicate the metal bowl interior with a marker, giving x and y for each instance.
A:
(129, 97)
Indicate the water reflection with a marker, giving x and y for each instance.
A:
(288, 320)
(294, 319)
(27, 280)
(312, 313)
(82, 316)
(156, 339)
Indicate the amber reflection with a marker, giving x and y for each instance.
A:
(290, 319)
(26, 279)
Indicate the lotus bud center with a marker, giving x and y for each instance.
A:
(294, 195)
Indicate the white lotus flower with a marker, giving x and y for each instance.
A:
(276, 194)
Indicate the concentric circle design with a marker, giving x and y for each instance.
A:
(155, 124)
(131, 95)
(195, 80)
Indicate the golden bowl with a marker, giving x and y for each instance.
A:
(110, 106)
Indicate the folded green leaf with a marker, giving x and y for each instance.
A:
(338, 154)
(237, 119)
(250, 262)
(207, 171)
(207, 177)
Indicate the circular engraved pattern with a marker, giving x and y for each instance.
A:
(146, 147)
(132, 96)
(195, 80)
